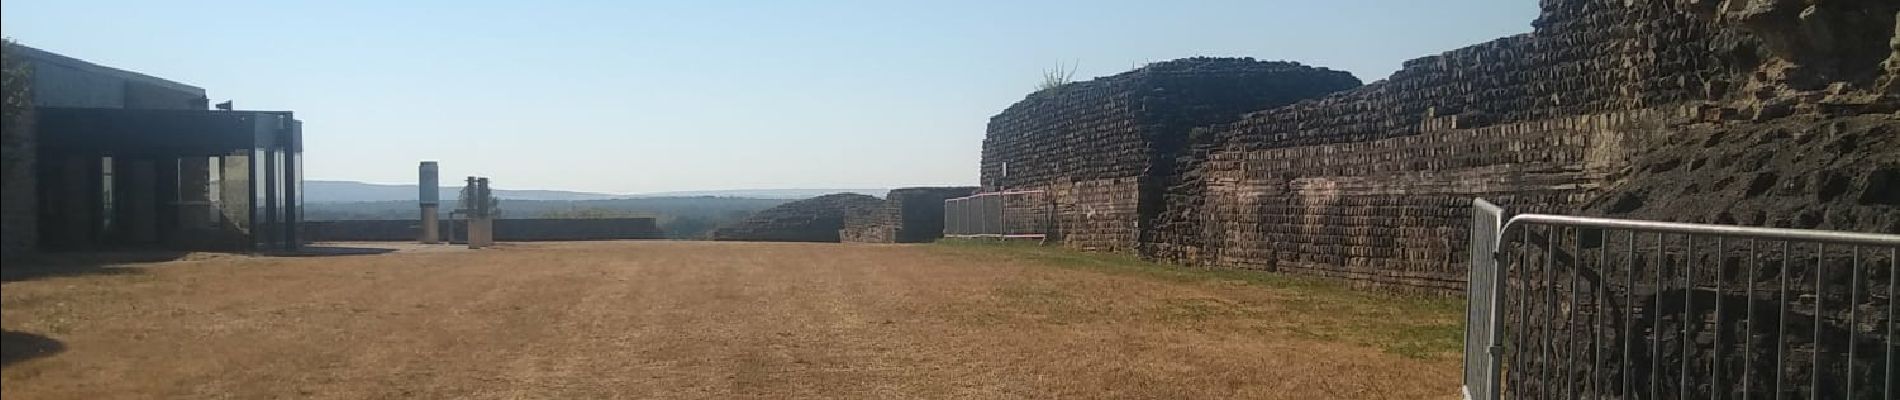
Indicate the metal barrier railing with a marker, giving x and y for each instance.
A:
(1009, 214)
(1577, 307)
(1482, 349)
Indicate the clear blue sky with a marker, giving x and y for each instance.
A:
(628, 97)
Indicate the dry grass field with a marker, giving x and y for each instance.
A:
(712, 320)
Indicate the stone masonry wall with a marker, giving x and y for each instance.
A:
(817, 219)
(1373, 184)
(1389, 213)
(908, 215)
(1100, 146)
(1746, 112)
(1767, 112)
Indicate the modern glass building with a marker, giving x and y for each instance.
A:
(129, 161)
(180, 179)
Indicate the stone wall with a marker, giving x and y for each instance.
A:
(1373, 184)
(908, 215)
(506, 230)
(1102, 147)
(817, 219)
(1390, 213)
(1763, 112)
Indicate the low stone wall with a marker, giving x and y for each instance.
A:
(908, 215)
(817, 219)
(1103, 148)
(506, 230)
(1389, 213)
(1098, 215)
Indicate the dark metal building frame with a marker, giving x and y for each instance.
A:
(173, 179)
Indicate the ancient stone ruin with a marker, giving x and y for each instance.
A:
(908, 215)
(1626, 108)
(1776, 113)
(905, 215)
(1104, 147)
(817, 219)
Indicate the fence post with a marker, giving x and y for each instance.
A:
(1483, 323)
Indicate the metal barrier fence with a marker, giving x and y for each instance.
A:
(1010, 214)
(1576, 307)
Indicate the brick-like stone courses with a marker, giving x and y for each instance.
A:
(871, 225)
(1332, 186)
(908, 215)
(1389, 213)
(1754, 107)
(1095, 144)
(817, 219)
(1099, 215)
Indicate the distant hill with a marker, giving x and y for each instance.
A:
(680, 217)
(349, 191)
(781, 194)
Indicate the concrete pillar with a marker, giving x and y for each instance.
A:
(481, 232)
(429, 227)
(481, 222)
(428, 187)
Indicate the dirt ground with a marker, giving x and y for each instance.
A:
(685, 320)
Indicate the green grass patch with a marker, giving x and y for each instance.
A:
(1411, 326)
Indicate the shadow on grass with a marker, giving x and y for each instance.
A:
(330, 251)
(81, 263)
(1414, 326)
(22, 346)
(118, 261)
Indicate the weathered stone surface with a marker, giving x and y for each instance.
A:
(1094, 146)
(1767, 112)
(817, 219)
(1373, 184)
(1839, 173)
(908, 215)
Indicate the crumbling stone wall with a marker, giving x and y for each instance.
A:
(1390, 213)
(1373, 184)
(817, 219)
(908, 215)
(1803, 172)
(1760, 112)
(1101, 148)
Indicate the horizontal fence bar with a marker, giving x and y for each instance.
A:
(997, 235)
(1002, 193)
(1800, 235)
(1577, 309)
(1016, 214)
